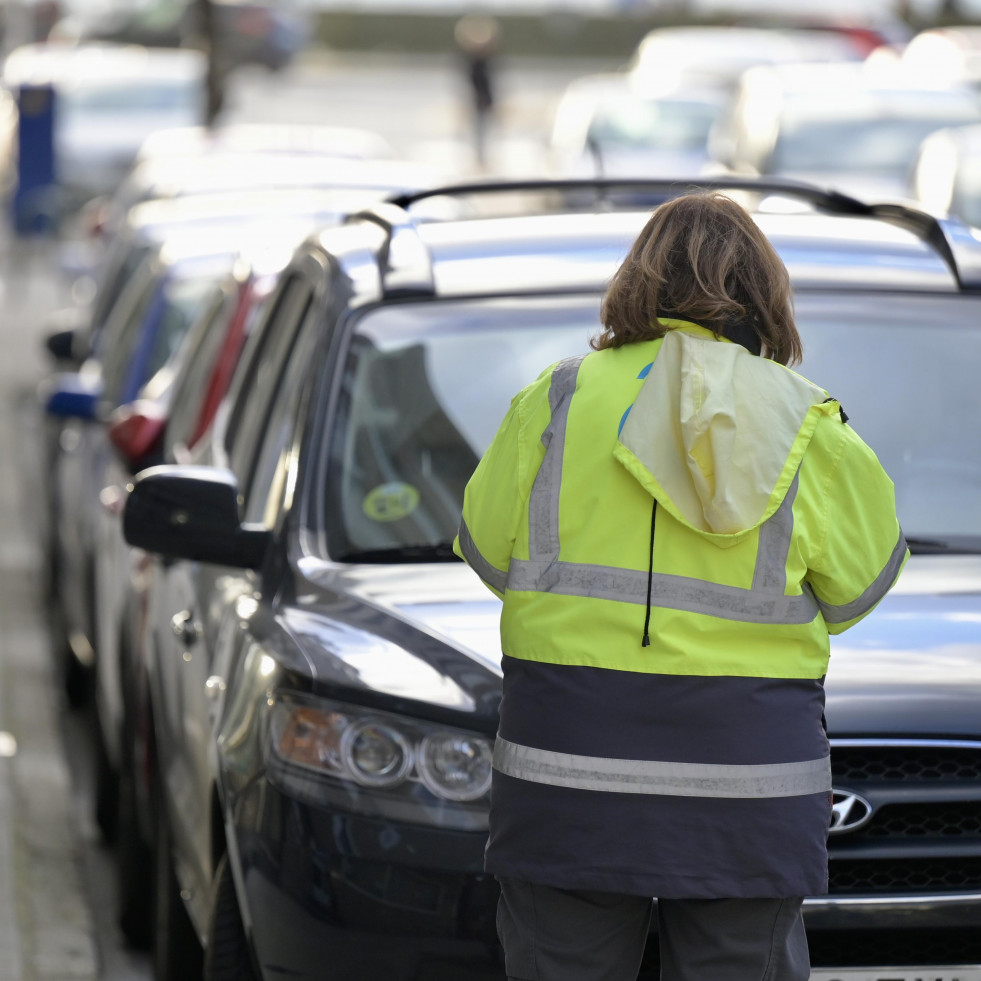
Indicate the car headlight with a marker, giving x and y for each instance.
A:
(455, 766)
(378, 762)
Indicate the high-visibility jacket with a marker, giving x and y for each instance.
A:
(724, 498)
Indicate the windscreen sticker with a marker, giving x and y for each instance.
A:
(391, 502)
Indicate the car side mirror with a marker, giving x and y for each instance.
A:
(192, 512)
(61, 345)
(67, 339)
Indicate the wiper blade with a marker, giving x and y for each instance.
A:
(441, 552)
(955, 545)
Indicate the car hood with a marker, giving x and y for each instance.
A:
(913, 666)
(429, 633)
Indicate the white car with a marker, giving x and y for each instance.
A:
(717, 55)
(608, 125)
(108, 100)
(841, 126)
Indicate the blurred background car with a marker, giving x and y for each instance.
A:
(718, 55)
(220, 174)
(950, 54)
(946, 174)
(837, 125)
(611, 125)
(175, 176)
(294, 138)
(128, 301)
(106, 100)
(269, 34)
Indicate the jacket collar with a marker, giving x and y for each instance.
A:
(741, 332)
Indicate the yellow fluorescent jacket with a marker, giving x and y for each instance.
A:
(626, 767)
(750, 464)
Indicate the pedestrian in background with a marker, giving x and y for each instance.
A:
(676, 522)
(476, 37)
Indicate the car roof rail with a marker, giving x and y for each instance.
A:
(959, 250)
(951, 239)
(404, 262)
(823, 198)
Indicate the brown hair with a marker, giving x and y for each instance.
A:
(702, 258)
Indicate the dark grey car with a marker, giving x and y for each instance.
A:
(322, 675)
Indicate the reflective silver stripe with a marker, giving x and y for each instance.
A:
(543, 503)
(668, 592)
(668, 779)
(489, 573)
(872, 595)
(774, 543)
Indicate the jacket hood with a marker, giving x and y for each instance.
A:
(716, 433)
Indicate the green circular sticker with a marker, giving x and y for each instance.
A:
(391, 502)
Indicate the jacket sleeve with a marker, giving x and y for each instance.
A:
(492, 505)
(863, 550)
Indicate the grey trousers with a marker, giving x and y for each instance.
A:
(561, 935)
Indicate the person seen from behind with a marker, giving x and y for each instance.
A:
(676, 522)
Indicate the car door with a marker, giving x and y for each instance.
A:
(199, 610)
(83, 451)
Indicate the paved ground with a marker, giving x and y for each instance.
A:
(46, 929)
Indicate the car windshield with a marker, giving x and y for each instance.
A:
(426, 385)
(874, 141)
(133, 98)
(653, 124)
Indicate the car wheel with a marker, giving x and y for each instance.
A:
(227, 957)
(106, 785)
(177, 954)
(134, 868)
(74, 677)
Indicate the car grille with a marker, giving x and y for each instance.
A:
(924, 835)
(903, 763)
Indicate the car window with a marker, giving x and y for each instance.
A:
(425, 387)
(190, 386)
(261, 374)
(182, 302)
(267, 484)
(653, 124)
(872, 143)
(89, 102)
(121, 337)
(117, 273)
(905, 371)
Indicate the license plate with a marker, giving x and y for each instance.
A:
(967, 973)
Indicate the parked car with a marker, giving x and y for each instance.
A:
(950, 53)
(166, 423)
(842, 126)
(160, 177)
(607, 126)
(108, 99)
(323, 677)
(297, 138)
(269, 34)
(716, 56)
(154, 309)
(73, 395)
(946, 174)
